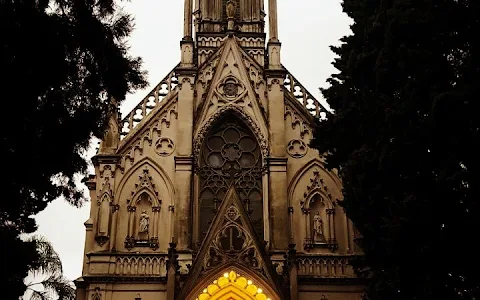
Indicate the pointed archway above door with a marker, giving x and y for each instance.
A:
(232, 285)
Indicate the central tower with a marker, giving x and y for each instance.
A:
(214, 19)
(213, 16)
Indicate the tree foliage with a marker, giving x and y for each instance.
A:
(61, 63)
(46, 280)
(405, 138)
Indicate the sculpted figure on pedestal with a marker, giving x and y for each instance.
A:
(318, 227)
(144, 222)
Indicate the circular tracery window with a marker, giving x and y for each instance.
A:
(231, 154)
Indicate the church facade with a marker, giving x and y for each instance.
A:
(208, 189)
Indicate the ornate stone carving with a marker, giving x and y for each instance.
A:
(317, 183)
(325, 266)
(297, 121)
(145, 195)
(104, 203)
(200, 136)
(144, 222)
(144, 265)
(230, 89)
(297, 148)
(97, 295)
(156, 127)
(233, 242)
(311, 105)
(206, 73)
(318, 228)
(164, 146)
(164, 89)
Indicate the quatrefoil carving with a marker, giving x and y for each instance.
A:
(231, 88)
(164, 146)
(297, 148)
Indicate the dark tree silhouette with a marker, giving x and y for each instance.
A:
(61, 63)
(405, 137)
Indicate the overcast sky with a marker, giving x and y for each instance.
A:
(306, 29)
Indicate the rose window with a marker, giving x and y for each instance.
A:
(230, 154)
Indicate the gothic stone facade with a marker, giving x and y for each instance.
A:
(208, 188)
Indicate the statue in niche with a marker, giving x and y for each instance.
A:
(318, 228)
(144, 222)
(231, 14)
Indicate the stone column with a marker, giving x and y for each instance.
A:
(277, 162)
(292, 271)
(183, 158)
(273, 22)
(131, 220)
(172, 269)
(113, 230)
(187, 25)
(274, 45)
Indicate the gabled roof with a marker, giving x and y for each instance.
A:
(212, 257)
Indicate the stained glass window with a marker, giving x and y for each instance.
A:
(231, 154)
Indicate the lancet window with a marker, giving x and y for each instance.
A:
(230, 155)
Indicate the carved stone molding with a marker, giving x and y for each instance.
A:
(156, 127)
(102, 239)
(325, 266)
(297, 121)
(97, 295)
(230, 89)
(143, 225)
(297, 148)
(164, 146)
(200, 137)
(140, 265)
(165, 89)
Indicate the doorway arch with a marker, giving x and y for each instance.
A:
(232, 284)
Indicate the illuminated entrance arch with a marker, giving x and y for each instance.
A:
(233, 286)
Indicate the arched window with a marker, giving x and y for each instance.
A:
(230, 155)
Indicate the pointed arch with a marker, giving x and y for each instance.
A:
(235, 281)
(299, 174)
(152, 198)
(221, 113)
(147, 161)
(230, 154)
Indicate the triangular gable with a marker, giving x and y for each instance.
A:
(231, 223)
(229, 81)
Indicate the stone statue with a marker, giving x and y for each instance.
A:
(317, 227)
(230, 10)
(144, 222)
(231, 14)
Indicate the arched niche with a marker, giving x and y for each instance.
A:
(167, 182)
(318, 214)
(143, 213)
(104, 213)
(134, 195)
(313, 189)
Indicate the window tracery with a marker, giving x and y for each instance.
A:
(230, 155)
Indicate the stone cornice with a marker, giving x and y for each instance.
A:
(124, 279)
(105, 159)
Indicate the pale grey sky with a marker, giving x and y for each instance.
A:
(306, 29)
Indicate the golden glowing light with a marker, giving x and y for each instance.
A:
(234, 284)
